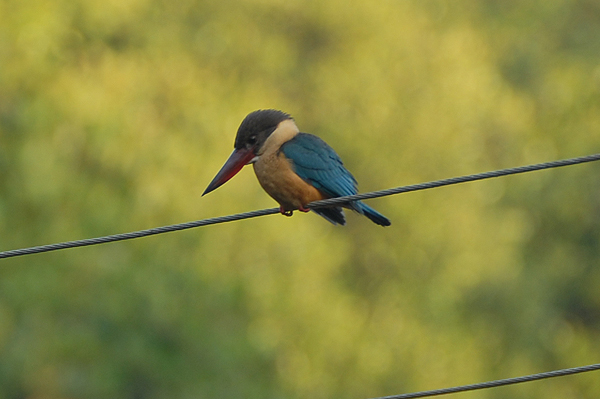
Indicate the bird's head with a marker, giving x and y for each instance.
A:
(252, 134)
(256, 127)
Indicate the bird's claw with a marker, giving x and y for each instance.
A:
(285, 212)
(289, 213)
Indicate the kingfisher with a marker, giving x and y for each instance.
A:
(294, 168)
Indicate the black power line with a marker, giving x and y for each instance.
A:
(316, 204)
(496, 383)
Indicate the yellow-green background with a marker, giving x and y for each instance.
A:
(116, 114)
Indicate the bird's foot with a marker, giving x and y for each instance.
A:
(285, 212)
(290, 213)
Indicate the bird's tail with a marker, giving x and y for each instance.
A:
(371, 213)
(334, 215)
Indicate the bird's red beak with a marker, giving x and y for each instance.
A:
(234, 164)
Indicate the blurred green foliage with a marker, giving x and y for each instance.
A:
(114, 116)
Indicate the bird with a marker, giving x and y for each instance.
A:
(294, 168)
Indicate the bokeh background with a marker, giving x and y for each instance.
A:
(116, 114)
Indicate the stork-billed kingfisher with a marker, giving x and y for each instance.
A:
(292, 167)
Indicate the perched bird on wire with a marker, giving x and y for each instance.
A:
(292, 167)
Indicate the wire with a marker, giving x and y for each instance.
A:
(496, 383)
(136, 234)
(456, 180)
(312, 205)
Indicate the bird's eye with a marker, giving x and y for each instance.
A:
(252, 140)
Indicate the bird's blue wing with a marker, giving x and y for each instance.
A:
(318, 164)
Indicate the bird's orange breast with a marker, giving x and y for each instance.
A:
(277, 177)
(276, 174)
